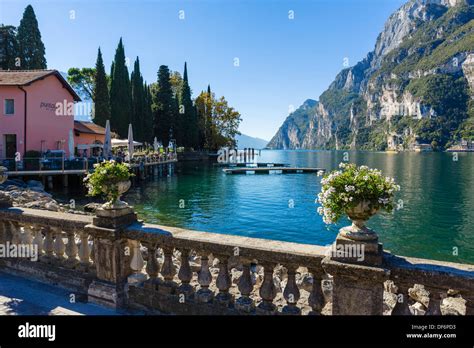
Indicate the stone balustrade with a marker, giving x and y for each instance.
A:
(118, 261)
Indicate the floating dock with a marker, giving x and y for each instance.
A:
(252, 165)
(272, 170)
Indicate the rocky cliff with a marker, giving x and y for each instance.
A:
(415, 86)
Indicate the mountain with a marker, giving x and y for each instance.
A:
(245, 141)
(416, 86)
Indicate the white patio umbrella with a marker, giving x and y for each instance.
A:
(130, 142)
(156, 145)
(71, 144)
(107, 149)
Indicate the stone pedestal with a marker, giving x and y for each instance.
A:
(112, 255)
(114, 218)
(355, 262)
(357, 289)
(360, 252)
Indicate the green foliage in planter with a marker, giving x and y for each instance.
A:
(345, 188)
(105, 178)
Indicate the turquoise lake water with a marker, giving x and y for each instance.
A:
(435, 219)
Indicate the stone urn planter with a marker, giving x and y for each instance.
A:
(359, 215)
(114, 201)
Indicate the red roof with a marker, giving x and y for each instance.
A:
(88, 127)
(27, 77)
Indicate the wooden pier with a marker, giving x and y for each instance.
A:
(272, 170)
(50, 176)
(251, 165)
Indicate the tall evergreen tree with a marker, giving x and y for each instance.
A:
(120, 94)
(8, 47)
(101, 93)
(31, 49)
(164, 105)
(148, 119)
(138, 102)
(190, 121)
(206, 127)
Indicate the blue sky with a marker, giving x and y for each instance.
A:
(282, 61)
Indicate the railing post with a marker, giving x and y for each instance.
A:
(112, 255)
(358, 274)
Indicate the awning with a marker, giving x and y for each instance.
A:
(88, 146)
(123, 143)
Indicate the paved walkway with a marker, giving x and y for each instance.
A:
(20, 296)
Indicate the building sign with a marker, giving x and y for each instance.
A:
(48, 106)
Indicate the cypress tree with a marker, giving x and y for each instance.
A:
(120, 94)
(8, 47)
(148, 119)
(190, 122)
(31, 49)
(101, 93)
(138, 102)
(163, 116)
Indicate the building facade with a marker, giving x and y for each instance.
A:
(36, 112)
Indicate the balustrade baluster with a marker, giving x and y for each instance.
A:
(267, 290)
(244, 303)
(168, 271)
(15, 233)
(204, 294)
(152, 267)
(316, 298)
(27, 237)
(185, 274)
(223, 281)
(38, 241)
(291, 292)
(84, 251)
(48, 244)
(136, 264)
(71, 250)
(59, 246)
(401, 306)
(435, 301)
(3, 232)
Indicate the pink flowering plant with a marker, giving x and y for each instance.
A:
(351, 185)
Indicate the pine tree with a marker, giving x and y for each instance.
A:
(120, 94)
(101, 93)
(31, 49)
(138, 102)
(8, 47)
(190, 122)
(163, 99)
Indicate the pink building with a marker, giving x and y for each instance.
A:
(36, 111)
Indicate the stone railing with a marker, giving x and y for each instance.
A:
(115, 260)
(205, 285)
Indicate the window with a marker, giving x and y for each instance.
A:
(9, 106)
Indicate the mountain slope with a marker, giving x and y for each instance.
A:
(245, 141)
(415, 86)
